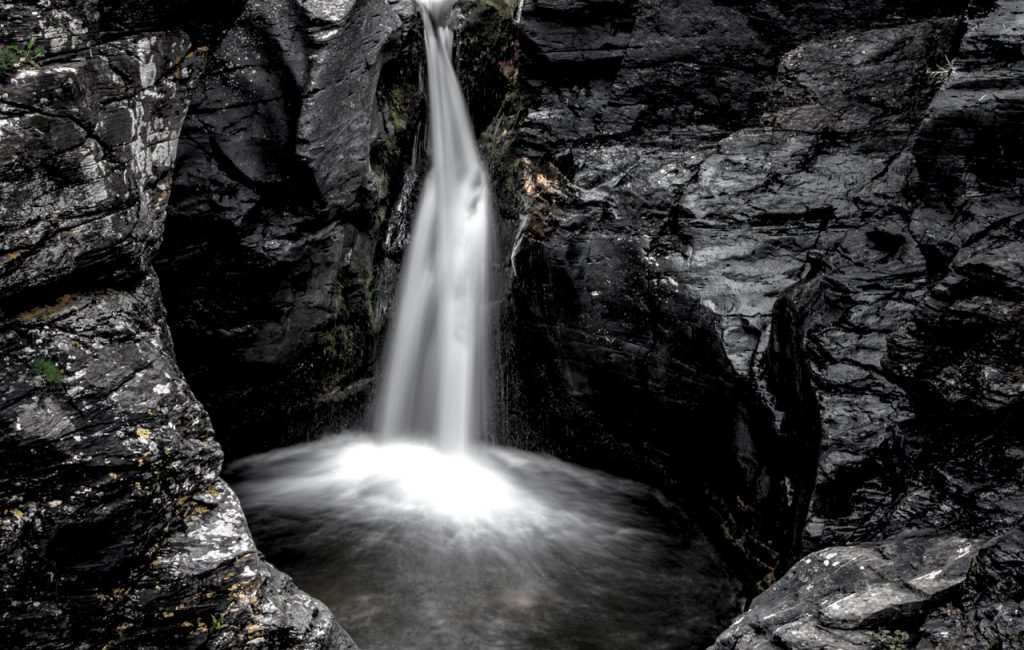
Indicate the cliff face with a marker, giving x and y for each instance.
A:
(681, 168)
(291, 159)
(115, 529)
(768, 257)
(907, 361)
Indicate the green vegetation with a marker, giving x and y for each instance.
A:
(340, 350)
(217, 623)
(381, 182)
(399, 107)
(15, 57)
(889, 640)
(49, 371)
(496, 147)
(339, 342)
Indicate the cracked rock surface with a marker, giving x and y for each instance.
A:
(842, 597)
(115, 528)
(768, 257)
(290, 161)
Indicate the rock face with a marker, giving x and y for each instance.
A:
(290, 161)
(115, 530)
(852, 597)
(987, 613)
(899, 351)
(681, 167)
(904, 349)
(766, 256)
(770, 256)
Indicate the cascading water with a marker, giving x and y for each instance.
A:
(435, 379)
(423, 546)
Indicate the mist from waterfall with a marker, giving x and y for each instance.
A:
(436, 365)
(437, 543)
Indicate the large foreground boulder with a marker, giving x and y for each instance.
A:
(856, 597)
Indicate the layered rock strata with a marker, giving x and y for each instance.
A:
(115, 529)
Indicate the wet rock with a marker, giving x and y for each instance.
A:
(824, 365)
(989, 612)
(898, 353)
(901, 359)
(291, 158)
(115, 529)
(67, 27)
(961, 350)
(669, 193)
(86, 160)
(855, 597)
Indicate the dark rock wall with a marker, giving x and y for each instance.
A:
(765, 257)
(115, 529)
(900, 352)
(291, 160)
(680, 166)
(911, 364)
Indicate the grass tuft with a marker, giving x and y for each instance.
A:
(49, 371)
(16, 57)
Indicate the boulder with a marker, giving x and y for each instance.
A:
(855, 597)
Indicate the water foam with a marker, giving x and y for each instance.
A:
(436, 366)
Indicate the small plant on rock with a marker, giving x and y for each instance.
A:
(15, 57)
(942, 71)
(217, 623)
(889, 640)
(49, 371)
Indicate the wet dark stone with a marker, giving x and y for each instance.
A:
(115, 529)
(290, 159)
(899, 352)
(666, 201)
(853, 597)
(988, 612)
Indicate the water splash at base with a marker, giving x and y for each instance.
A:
(414, 549)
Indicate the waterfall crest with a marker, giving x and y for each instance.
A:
(436, 364)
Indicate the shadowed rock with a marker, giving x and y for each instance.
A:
(852, 597)
(115, 530)
(290, 160)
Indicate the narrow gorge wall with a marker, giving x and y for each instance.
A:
(115, 528)
(276, 265)
(765, 256)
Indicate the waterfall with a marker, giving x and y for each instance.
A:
(436, 368)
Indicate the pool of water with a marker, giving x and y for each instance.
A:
(415, 549)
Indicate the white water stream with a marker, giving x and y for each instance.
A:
(436, 366)
(440, 544)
